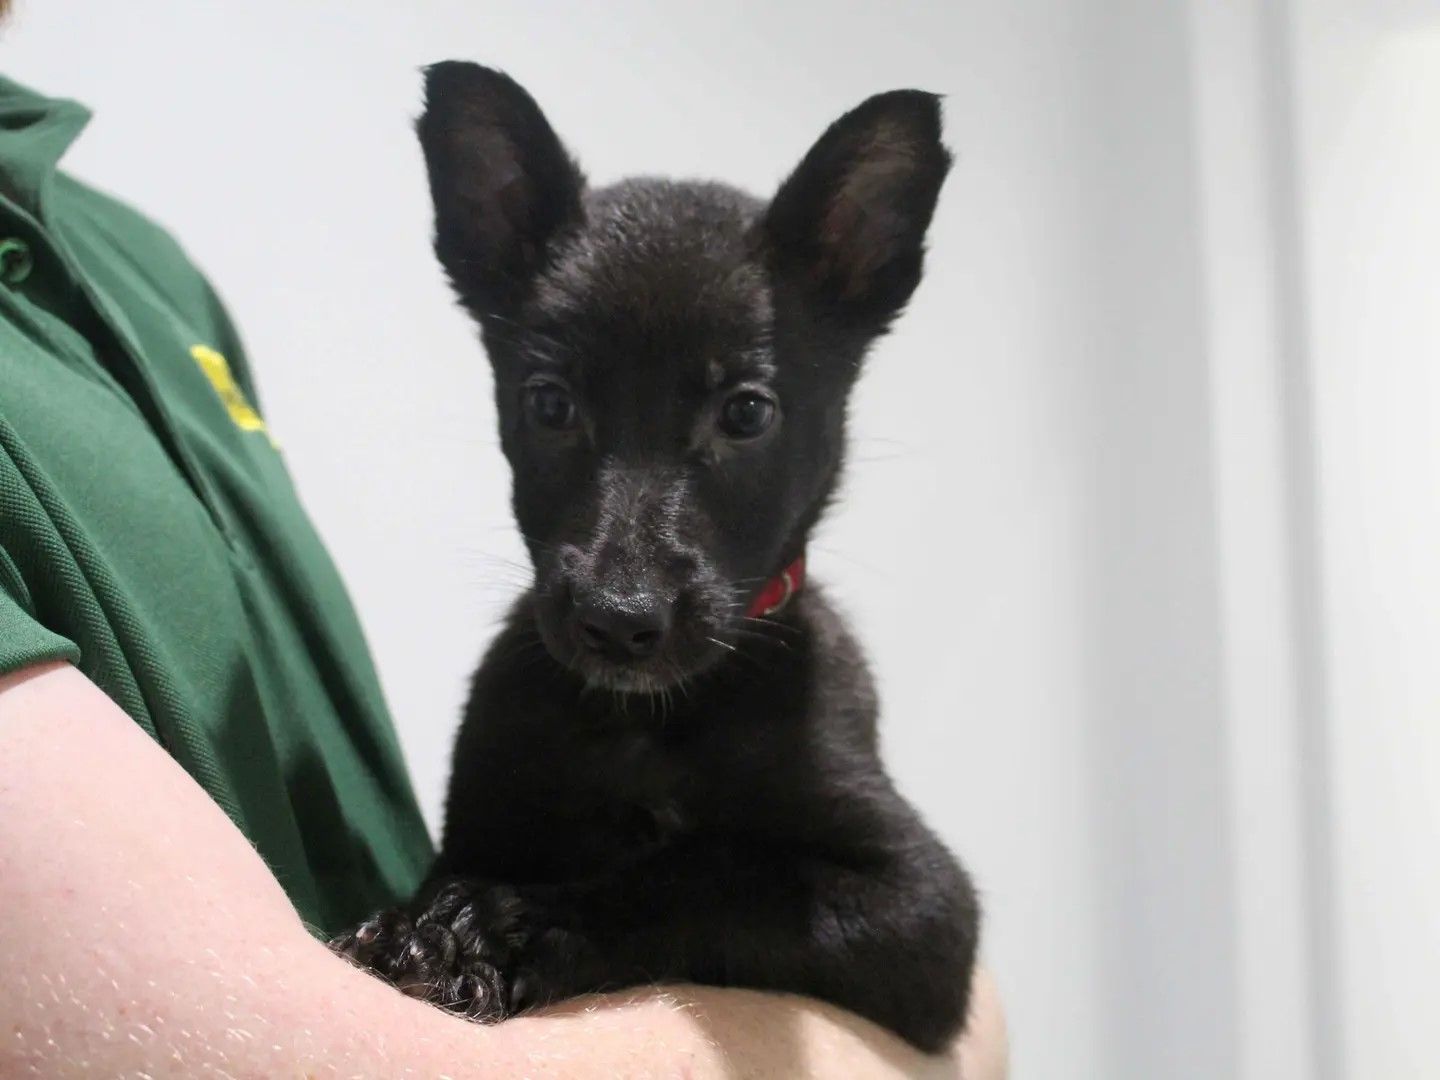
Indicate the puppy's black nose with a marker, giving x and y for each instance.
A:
(623, 628)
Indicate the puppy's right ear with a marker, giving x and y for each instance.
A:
(504, 188)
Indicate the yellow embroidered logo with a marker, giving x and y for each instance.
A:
(217, 370)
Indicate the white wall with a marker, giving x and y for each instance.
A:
(1260, 448)
(1368, 114)
(1080, 531)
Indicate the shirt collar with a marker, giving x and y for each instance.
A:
(35, 132)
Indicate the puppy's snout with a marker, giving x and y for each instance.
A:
(623, 627)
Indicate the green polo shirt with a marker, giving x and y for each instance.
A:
(150, 535)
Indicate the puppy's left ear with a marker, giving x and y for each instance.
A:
(504, 188)
(849, 223)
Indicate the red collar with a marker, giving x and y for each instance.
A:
(778, 590)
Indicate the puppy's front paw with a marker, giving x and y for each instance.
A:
(454, 952)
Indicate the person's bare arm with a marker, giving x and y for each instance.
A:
(143, 935)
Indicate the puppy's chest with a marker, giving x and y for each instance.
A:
(657, 787)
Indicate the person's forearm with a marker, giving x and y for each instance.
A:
(143, 935)
(290, 1008)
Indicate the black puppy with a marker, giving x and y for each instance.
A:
(667, 769)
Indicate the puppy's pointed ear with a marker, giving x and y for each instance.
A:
(504, 188)
(849, 223)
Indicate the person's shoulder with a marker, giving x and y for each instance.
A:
(99, 223)
(101, 228)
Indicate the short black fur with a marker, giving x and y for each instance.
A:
(651, 784)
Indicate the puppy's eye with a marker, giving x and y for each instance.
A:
(747, 414)
(551, 405)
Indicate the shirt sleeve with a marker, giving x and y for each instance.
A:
(24, 642)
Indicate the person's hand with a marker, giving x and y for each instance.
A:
(768, 1035)
(984, 1050)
